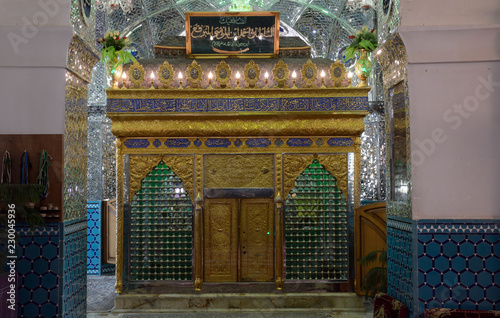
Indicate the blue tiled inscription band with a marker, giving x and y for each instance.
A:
(400, 260)
(458, 264)
(238, 104)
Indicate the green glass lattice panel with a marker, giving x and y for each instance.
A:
(316, 227)
(161, 228)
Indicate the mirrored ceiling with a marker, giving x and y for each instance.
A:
(324, 24)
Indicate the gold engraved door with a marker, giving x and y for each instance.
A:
(238, 240)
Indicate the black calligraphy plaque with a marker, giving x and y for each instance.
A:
(246, 34)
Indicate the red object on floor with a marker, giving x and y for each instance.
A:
(386, 306)
(460, 313)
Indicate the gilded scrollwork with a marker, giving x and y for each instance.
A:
(294, 165)
(239, 171)
(140, 166)
(199, 126)
(337, 165)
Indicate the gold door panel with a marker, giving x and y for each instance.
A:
(257, 240)
(221, 240)
(238, 240)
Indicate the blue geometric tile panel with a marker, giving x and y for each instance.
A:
(458, 264)
(94, 237)
(38, 267)
(74, 297)
(400, 260)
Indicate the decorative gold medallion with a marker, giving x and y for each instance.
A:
(337, 73)
(309, 73)
(281, 73)
(223, 74)
(136, 74)
(194, 74)
(165, 74)
(251, 73)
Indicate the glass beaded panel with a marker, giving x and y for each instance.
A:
(316, 227)
(161, 228)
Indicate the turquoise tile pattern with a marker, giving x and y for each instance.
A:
(38, 266)
(400, 260)
(94, 237)
(458, 264)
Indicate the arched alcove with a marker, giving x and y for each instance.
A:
(161, 223)
(316, 227)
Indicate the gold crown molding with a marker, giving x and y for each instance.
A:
(237, 93)
(141, 166)
(238, 125)
(294, 165)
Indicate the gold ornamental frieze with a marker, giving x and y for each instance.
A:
(239, 171)
(299, 124)
(142, 165)
(294, 165)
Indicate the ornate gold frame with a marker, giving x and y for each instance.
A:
(220, 67)
(306, 70)
(281, 73)
(336, 67)
(194, 67)
(165, 67)
(136, 74)
(248, 77)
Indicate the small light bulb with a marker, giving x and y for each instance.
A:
(179, 76)
(152, 76)
(236, 38)
(294, 75)
(124, 75)
(260, 37)
(323, 74)
(211, 38)
(266, 75)
(350, 74)
(210, 75)
(238, 75)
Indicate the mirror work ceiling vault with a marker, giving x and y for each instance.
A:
(324, 24)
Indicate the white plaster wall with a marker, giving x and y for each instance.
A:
(453, 51)
(35, 37)
(32, 100)
(449, 12)
(455, 140)
(36, 12)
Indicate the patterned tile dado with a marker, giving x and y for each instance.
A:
(400, 260)
(93, 237)
(458, 264)
(74, 293)
(38, 266)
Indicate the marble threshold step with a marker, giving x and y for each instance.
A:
(239, 304)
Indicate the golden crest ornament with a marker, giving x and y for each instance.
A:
(281, 73)
(251, 73)
(223, 74)
(309, 73)
(337, 73)
(165, 74)
(136, 74)
(194, 74)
